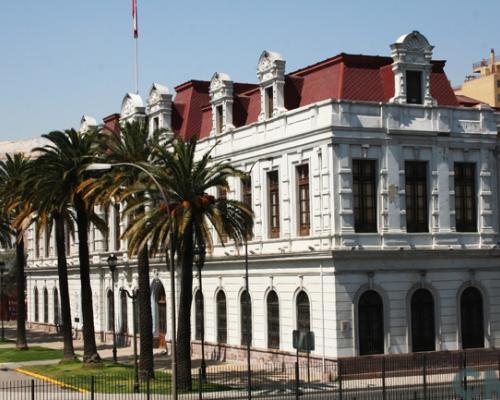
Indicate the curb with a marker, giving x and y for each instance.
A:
(50, 380)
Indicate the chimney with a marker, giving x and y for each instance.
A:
(492, 61)
(112, 123)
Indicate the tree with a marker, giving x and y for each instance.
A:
(50, 205)
(13, 172)
(193, 212)
(133, 145)
(71, 152)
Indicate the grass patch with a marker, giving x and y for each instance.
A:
(111, 378)
(11, 354)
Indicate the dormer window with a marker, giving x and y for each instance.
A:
(412, 67)
(159, 108)
(269, 102)
(221, 97)
(219, 121)
(271, 74)
(414, 87)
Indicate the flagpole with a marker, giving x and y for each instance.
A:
(136, 65)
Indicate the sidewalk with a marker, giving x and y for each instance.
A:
(125, 355)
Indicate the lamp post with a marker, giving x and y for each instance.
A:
(112, 262)
(170, 259)
(2, 308)
(199, 255)
(134, 296)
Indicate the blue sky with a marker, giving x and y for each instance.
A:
(64, 58)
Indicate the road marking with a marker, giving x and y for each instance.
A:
(50, 380)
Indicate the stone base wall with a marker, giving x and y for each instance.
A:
(225, 352)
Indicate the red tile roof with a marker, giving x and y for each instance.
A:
(344, 76)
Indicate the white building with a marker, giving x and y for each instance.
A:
(375, 196)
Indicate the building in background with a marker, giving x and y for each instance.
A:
(484, 84)
(375, 193)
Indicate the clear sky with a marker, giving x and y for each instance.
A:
(64, 58)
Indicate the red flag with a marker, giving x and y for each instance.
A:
(134, 19)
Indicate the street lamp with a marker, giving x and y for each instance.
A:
(112, 262)
(170, 260)
(133, 296)
(2, 308)
(199, 257)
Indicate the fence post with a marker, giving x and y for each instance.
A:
(424, 374)
(92, 387)
(200, 383)
(464, 366)
(297, 378)
(148, 389)
(339, 373)
(32, 389)
(383, 378)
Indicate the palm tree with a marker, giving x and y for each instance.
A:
(13, 171)
(50, 200)
(133, 145)
(70, 153)
(193, 213)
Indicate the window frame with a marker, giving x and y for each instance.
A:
(465, 181)
(361, 219)
(303, 319)
(273, 187)
(219, 119)
(269, 101)
(221, 319)
(303, 203)
(411, 75)
(417, 218)
(273, 321)
(246, 318)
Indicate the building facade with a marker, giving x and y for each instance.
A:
(484, 84)
(375, 194)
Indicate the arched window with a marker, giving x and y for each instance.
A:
(35, 295)
(45, 306)
(370, 323)
(246, 318)
(273, 320)
(303, 312)
(198, 304)
(161, 309)
(124, 313)
(221, 318)
(472, 318)
(423, 332)
(57, 318)
(111, 310)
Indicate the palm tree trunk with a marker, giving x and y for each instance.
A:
(184, 317)
(21, 343)
(68, 350)
(146, 361)
(90, 354)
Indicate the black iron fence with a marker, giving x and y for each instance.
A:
(421, 376)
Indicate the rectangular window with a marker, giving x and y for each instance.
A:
(219, 122)
(156, 123)
(274, 204)
(246, 189)
(364, 195)
(303, 199)
(498, 83)
(36, 237)
(414, 87)
(416, 196)
(67, 238)
(47, 243)
(465, 197)
(222, 195)
(269, 102)
(105, 237)
(118, 233)
(498, 97)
